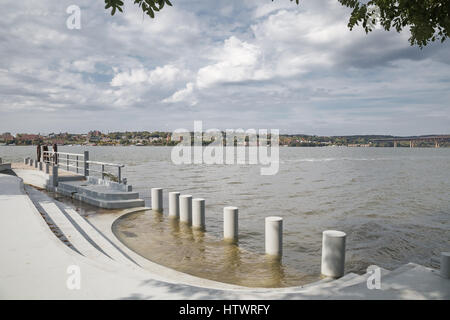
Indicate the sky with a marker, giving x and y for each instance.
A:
(231, 64)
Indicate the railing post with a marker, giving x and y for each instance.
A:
(119, 174)
(103, 171)
(77, 164)
(86, 164)
(67, 162)
(55, 175)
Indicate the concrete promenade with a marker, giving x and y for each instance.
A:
(34, 264)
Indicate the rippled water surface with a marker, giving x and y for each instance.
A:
(394, 205)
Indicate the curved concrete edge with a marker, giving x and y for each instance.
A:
(105, 223)
(35, 266)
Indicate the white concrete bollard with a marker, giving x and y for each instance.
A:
(174, 205)
(274, 236)
(445, 265)
(47, 168)
(198, 213)
(230, 223)
(157, 199)
(186, 209)
(333, 253)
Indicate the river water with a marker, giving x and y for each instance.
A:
(394, 205)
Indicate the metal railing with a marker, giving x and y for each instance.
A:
(65, 160)
(104, 172)
(80, 163)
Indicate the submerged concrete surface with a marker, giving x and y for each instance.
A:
(34, 264)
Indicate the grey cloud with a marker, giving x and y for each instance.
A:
(308, 78)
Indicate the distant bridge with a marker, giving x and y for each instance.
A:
(437, 139)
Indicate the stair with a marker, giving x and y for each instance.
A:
(84, 237)
(100, 195)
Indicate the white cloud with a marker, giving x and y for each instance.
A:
(84, 65)
(163, 76)
(270, 7)
(183, 95)
(274, 62)
(236, 61)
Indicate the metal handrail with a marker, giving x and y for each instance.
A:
(65, 153)
(106, 164)
(103, 171)
(67, 159)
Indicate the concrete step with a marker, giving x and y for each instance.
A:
(109, 204)
(84, 237)
(105, 244)
(324, 285)
(400, 270)
(347, 280)
(107, 195)
(410, 281)
(80, 242)
(97, 191)
(71, 178)
(69, 229)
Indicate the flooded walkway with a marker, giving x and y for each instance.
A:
(168, 242)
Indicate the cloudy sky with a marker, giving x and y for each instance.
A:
(232, 64)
